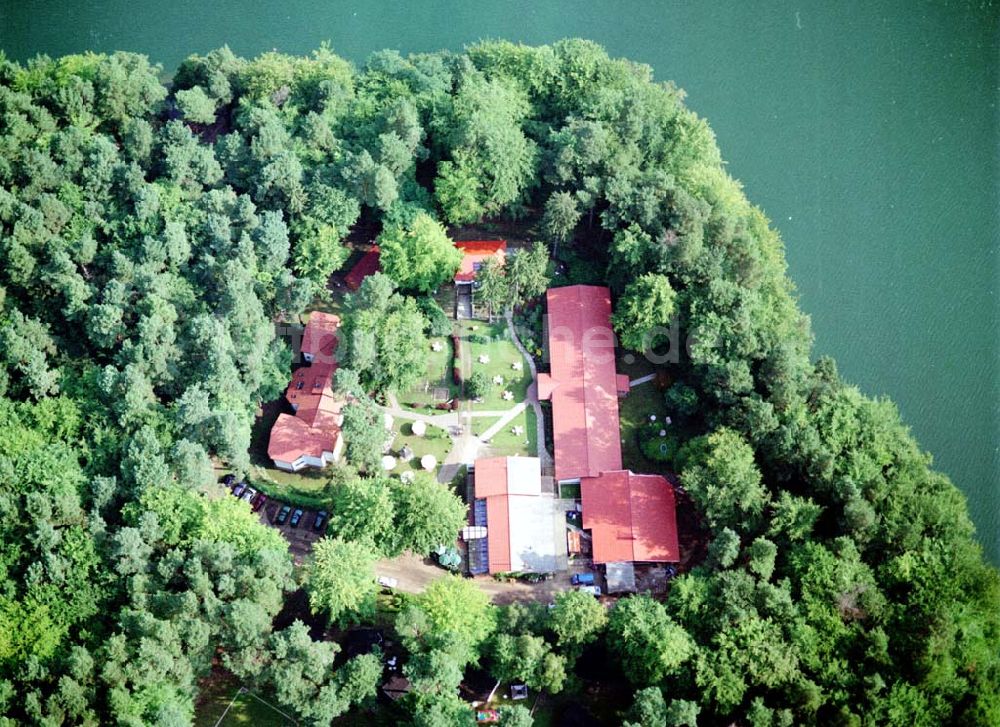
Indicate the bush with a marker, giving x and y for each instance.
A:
(440, 324)
(655, 447)
(478, 385)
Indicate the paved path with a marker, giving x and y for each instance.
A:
(504, 421)
(641, 380)
(532, 397)
(466, 446)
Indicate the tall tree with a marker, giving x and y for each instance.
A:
(721, 475)
(651, 645)
(527, 274)
(420, 255)
(365, 433)
(427, 514)
(341, 579)
(561, 216)
(644, 312)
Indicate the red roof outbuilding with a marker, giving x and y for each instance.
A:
(475, 253)
(631, 517)
(319, 339)
(582, 384)
(367, 265)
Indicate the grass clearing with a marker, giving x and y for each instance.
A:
(505, 443)
(569, 491)
(493, 341)
(634, 411)
(437, 376)
(435, 441)
(222, 692)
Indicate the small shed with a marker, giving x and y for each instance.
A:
(620, 577)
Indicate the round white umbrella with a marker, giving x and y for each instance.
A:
(388, 462)
(418, 428)
(428, 462)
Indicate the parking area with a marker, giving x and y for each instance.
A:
(300, 537)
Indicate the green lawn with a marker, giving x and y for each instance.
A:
(504, 442)
(502, 353)
(217, 694)
(435, 441)
(634, 411)
(437, 375)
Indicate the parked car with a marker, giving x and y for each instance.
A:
(283, 514)
(387, 582)
(296, 517)
(320, 522)
(239, 489)
(592, 590)
(582, 579)
(249, 494)
(228, 480)
(257, 504)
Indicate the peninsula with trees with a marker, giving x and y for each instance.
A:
(448, 389)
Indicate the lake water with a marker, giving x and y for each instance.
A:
(869, 132)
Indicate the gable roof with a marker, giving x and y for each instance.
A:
(292, 438)
(520, 521)
(631, 517)
(475, 253)
(367, 265)
(582, 384)
(315, 427)
(320, 336)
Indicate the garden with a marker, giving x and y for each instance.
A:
(434, 441)
(495, 360)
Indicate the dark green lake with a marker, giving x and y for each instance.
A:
(869, 132)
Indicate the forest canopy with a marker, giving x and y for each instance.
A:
(155, 238)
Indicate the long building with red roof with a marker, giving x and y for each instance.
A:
(312, 437)
(631, 518)
(582, 382)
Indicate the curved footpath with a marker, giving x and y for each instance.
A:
(532, 396)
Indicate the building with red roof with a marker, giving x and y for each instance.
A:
(320, 337)
(630, 517)
(522, 529)
(312, 437)
(367, 265)
(475, 253)
(582, 383)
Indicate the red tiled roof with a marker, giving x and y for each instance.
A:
(475, 253)
(292, 438)
(498, 517)
(320, 335)
(491, 477)
(367, 265)
(498, 480)
(315, 427)
(582, 383)
(624, 385)
(631, 517)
